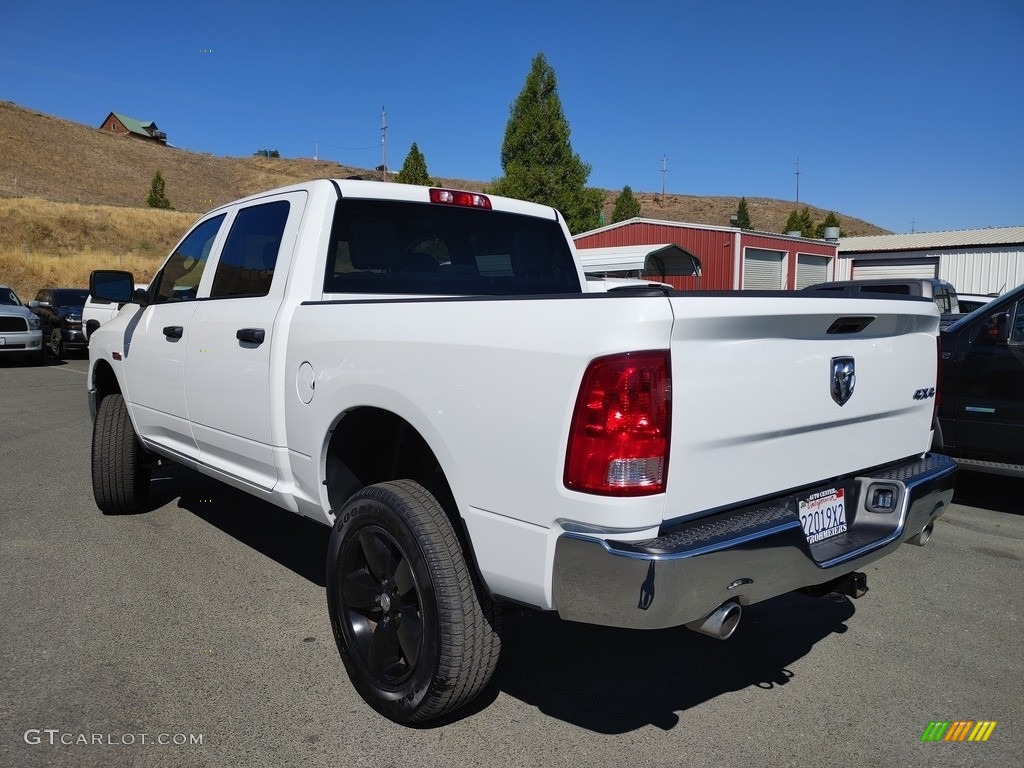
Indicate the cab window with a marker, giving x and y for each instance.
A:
(246, 264)
(180, 276)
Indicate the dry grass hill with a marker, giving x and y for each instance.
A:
(73, 198)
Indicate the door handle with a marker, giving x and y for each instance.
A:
(254, 335)
(173, 331)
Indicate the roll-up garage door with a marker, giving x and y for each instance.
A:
(895, 268)
(763, 270)
(810, 270)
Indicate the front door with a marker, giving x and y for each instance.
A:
(156, 339)
(989, 389)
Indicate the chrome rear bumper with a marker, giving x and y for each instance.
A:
(744, 555)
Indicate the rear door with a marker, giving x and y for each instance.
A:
(228, 360)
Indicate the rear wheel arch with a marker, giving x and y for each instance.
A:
(371, 445)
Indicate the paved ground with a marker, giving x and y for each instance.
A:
(205, 620)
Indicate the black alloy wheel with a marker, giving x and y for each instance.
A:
(418, 637)
(382, 603)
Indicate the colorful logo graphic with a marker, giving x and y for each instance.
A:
(959, 730)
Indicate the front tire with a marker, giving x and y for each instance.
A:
(120, 475)
(57, 344)
(417, 637)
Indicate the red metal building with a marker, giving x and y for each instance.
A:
(731, 258)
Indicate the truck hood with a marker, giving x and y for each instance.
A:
(787, 391)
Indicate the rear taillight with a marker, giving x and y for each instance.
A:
(938, 378)
(619, 436)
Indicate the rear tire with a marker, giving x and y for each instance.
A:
(417, 636)
(120, 476)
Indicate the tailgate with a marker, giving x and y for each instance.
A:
(754, 378)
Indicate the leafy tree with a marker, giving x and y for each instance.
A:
(536, 156)
(800, 221)
(157, 194)
(831, 220)
(626, 206)
(414, 169)
(743, 215)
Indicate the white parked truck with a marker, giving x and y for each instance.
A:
(426, 371)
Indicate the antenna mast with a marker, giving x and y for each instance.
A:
(384, 141)
(664, 170)
(798, 179)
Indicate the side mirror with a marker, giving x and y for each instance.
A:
(995, 331)
(112, 285)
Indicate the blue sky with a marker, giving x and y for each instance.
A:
(905, 113)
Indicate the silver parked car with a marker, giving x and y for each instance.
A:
(20, 332)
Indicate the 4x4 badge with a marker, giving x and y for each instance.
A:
(844, 378)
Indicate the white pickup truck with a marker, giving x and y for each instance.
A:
(427, 371)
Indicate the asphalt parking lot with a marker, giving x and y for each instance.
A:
(196, 634)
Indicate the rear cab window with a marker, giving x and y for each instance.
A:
(398, 247)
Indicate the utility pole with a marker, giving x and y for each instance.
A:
(384, 141)
(798, 180)
(664, 170)
(913, 223)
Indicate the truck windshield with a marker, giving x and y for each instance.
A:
(424, 248)
(70, 298)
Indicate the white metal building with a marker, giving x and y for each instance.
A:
(973, 260)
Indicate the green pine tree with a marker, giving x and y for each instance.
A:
(414, 169)
(626, 206)
(157, 193)
(831, 220)
(743, 215)
(793, 222)
(537, 158)
(800, 221)
(806, 222)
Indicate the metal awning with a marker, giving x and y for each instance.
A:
(660, 260)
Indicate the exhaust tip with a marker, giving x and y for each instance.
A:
(720, 623)
(923, 537)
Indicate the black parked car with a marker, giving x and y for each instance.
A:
(981, 406)
(60, 310)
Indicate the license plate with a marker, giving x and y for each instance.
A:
(823, 514)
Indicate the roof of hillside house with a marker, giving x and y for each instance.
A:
(141, 127)
(922, 241)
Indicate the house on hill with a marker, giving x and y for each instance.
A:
(122, 125)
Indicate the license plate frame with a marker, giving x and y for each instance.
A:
(823, 514)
